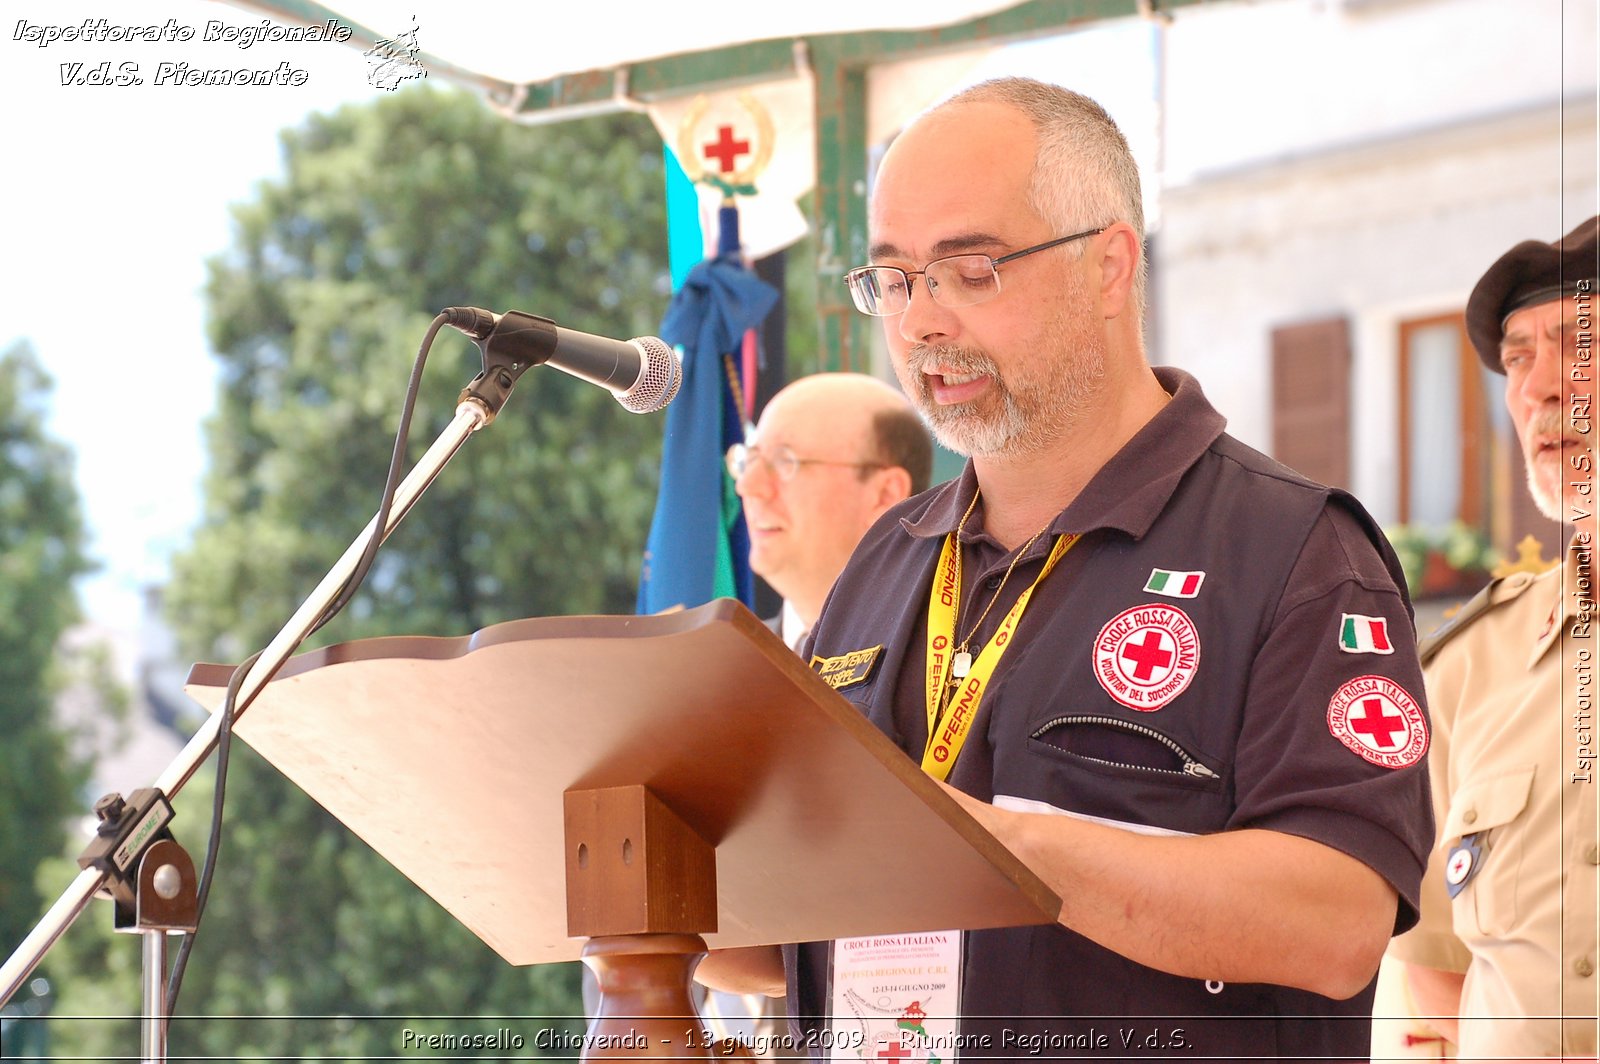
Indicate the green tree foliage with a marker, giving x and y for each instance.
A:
(41, 552)
(385, 214)
(388, 213)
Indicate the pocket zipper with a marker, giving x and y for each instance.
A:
(1191, 767)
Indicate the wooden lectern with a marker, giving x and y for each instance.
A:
(633, 790)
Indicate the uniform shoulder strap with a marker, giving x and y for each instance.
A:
(1499, 592)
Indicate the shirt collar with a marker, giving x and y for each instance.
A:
(791, 629)
(1129, 491)
(947, 504)
(1576, 596)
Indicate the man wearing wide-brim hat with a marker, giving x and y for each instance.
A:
(1505, 951)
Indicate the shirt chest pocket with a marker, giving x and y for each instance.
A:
(1489, 814)
(1119, 771)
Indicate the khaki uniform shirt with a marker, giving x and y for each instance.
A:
(1511, 689)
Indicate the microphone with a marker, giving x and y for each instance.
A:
(643, 373)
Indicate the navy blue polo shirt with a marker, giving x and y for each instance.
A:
(1227, 646)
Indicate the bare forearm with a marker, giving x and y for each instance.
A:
(1437, 995)
(1244, 906)
(751, 970)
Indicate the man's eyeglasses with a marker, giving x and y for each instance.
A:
(783, 462)
(954, 281)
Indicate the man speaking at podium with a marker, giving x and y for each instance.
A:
(1175, 678)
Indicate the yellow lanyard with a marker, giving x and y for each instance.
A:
(947, 732)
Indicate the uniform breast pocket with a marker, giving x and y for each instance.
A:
(1121, 748)
(1490, 815)
(1120, 771)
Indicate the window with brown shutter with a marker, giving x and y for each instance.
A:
(1459, 454)
(1444, 425)
(1311, 399)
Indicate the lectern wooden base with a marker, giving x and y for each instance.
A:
(641, 887)
(644, 1000)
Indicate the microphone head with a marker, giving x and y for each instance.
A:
(660, 374)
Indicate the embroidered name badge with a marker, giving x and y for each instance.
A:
(1146, 656)
(1378, 719)
(1364, 635)
(847, 669)
(1174, 584)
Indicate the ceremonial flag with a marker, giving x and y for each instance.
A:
(698, 547)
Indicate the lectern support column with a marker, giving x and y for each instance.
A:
(644, 997)
(642, 887)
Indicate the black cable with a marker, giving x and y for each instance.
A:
(180, 961)
(396, 461)
(230, 709)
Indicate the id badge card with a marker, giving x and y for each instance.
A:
(895, 997)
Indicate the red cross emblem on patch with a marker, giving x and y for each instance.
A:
(1379, 720)
(1145, 657)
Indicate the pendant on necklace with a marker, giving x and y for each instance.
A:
(960, 665)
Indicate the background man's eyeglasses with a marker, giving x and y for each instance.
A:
(781, 460)
(954, 281)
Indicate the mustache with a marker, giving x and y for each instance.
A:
(954, 357)
(1549, 423)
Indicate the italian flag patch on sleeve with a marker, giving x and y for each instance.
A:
(1364, 635)
(1174, 584)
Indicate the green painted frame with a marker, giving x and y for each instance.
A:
(839, 62)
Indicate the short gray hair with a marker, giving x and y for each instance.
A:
(1083, 173)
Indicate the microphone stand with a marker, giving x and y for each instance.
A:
(472, 413)
(134, 858)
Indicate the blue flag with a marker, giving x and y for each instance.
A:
(699, 547)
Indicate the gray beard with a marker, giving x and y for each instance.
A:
(960, 428)
(1545, 422)
(1546, 504)
(1033, 414)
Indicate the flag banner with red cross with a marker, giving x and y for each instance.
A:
(1364, 635)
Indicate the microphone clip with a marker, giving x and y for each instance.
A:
(510, 347)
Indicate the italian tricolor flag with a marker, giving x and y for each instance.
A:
(1364, 635)
(1174, 584)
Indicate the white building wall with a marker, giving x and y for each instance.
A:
(1353, 182)
(1252, 82)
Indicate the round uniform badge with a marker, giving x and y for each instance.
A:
(1462, 865)
(1379, 720)
(1144, 657)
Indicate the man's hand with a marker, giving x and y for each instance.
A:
(749, 970)
(1438, 998)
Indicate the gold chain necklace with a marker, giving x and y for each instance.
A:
(961, 660)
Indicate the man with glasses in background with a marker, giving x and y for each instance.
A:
(833, 451)
(1176, 679)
